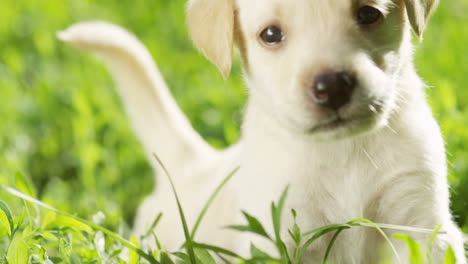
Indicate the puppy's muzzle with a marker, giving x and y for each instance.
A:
(333, 90)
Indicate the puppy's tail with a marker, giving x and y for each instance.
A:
(159, 123)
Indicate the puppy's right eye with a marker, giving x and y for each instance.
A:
(272, 35)
(368, 15)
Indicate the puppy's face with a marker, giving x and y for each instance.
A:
(352, 49)
(326, 68)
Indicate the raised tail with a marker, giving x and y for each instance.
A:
(159, 123)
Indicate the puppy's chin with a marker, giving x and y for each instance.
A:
(338, 128)
(342, 128)
(359, 119)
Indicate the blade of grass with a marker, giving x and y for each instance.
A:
(296, 235)
(151, 231)
(332, 242)
(154, 224)
(385, 226)
(210, 201)
(431, 242)
(165, 259)
(204, 256)
(256, 253)
(156, 240)
(253, 226)
(4, 207)
(357, 222)
(320, 232)
(18, 251)
(188, 238)
(109, 233)
(396, 227)
(24, 184)
(308, 233)
(222, 258)
(183, 257)
(450, 256)
(414, 248)
(276, 213)
(217, 250)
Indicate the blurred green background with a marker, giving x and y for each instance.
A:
(62, 123)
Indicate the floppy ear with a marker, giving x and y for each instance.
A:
(419, 12)
(211, 26)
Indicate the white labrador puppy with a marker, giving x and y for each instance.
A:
(336, 110)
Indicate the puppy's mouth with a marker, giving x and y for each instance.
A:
(345, 122)
(331, 125)
(350, 125)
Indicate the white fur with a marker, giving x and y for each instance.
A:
(387, 164)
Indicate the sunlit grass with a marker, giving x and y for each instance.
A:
(31, 237)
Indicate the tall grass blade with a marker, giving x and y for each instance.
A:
(276, 213)
(259, 255)
(319, 229)
(210, 201)
(203, 256)
(330, 245)
(156, 240)
(253, 226)
(431, 242)
(154, 224)
(395, 227)
(450, 256)
(109, 233)
(183, 257)
(18, 252)
(295, 234)
(24, 184)
(317, 234)
(416, 255)
(133, 257)
(165, 259)
(358, 222)
(217, 250)
(4, 207)
(188, 238)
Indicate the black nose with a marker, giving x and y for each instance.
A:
(333, 89)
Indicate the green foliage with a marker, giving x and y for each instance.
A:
(441, 61)
(413, 247)
(63, 124)
(76, 240)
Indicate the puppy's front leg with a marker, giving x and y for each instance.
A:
(419, 200)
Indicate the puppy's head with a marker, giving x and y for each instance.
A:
(328, 68)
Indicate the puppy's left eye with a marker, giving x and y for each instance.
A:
(368, 15)
(272, 35)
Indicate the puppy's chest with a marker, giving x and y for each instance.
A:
(323, 189)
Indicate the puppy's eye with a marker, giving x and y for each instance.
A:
(272, 35)
(368, 15)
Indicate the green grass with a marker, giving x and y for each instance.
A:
(441, 61)
(30, 237)
(63, 127)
